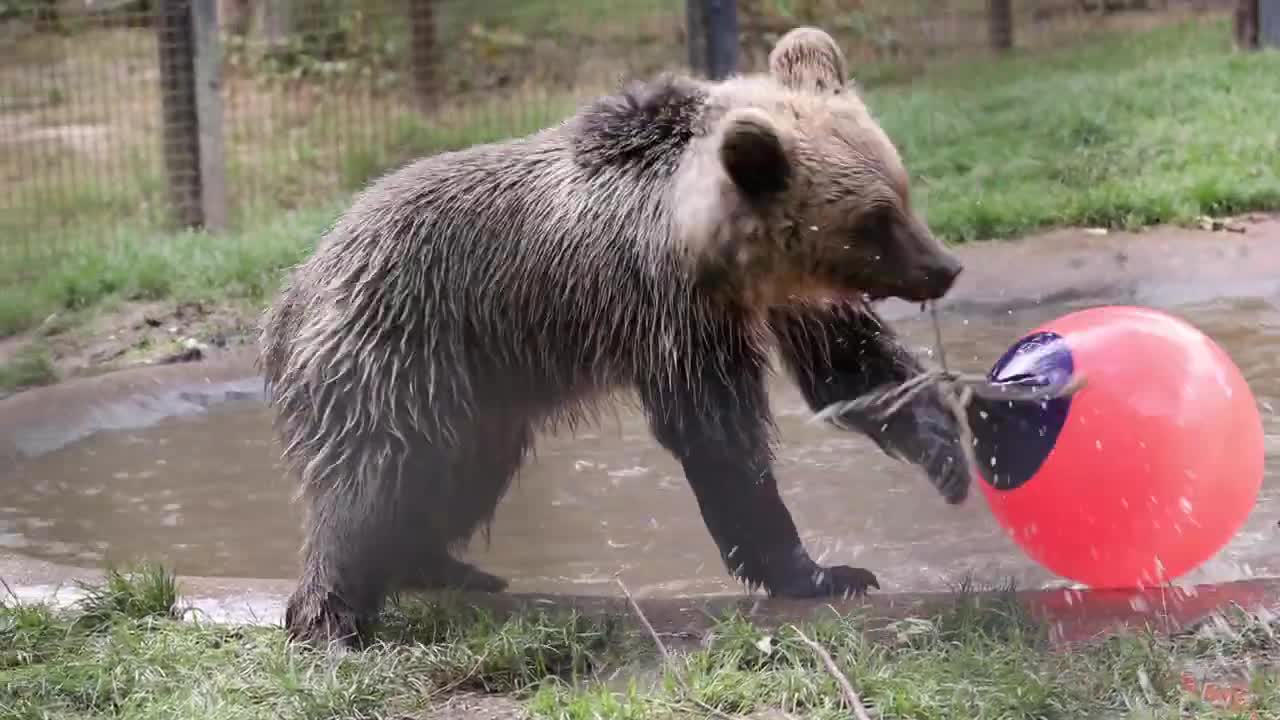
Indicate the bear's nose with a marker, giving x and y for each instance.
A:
(942, 274)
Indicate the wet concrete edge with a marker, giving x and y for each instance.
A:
(1136, 268)
(1072, 615)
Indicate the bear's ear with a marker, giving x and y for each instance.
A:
(809, 59)
(753, 154)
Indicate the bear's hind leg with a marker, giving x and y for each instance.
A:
(479, 476)
(719, 432)
(365, 516)
(841, 353)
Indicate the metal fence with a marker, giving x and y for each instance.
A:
(129, 115)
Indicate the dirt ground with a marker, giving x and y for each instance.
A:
(137, 334)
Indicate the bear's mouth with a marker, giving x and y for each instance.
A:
(909, 293)
(881, 293)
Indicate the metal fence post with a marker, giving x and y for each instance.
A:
(1246, 24)
(1000, 24)
(1269, 23)
(191, 109)
(696, 36)
(208, 91)
(713, 37)
(423, 78)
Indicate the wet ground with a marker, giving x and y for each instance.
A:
(203, 491)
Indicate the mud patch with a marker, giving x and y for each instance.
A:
(128, 335)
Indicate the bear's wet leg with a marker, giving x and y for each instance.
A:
(720, 434)
(478, 478)
(841, 353)
(365, 517)
(340, 587)
(439, 570)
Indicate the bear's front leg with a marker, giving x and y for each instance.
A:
(840, 353)
(720, 433)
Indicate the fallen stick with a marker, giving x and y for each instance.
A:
(846, 688)
(666, 654)
(635, 607)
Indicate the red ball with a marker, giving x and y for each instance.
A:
(1141, 476)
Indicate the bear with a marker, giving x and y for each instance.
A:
(662, 245)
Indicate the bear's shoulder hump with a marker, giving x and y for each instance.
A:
(646, 124)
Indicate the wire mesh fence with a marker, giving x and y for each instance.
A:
(131, 115)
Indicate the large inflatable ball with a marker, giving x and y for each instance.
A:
(1140, 476)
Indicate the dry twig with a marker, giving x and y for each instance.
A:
(9, 590)
(846, 688)
(666, 655)
(644, 620)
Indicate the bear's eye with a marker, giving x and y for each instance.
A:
(873, 223)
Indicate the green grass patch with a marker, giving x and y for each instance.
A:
(30, 366)
(237, 266)
(147, 591)
(1131, 130)
(123, 653)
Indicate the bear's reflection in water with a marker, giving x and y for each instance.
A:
(207, 495)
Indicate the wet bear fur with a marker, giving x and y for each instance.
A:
(658, 245)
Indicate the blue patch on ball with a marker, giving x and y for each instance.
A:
(1012, 439)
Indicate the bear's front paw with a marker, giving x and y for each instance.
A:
(949, 473)
(826, 582)
(844, 581)
(934, 444)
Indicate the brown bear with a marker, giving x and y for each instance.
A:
(664, 241)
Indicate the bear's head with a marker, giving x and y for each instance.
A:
(794, 190)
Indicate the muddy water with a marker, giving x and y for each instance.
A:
(205, 492)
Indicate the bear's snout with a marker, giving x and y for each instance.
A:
(926, 269)
(937, 278)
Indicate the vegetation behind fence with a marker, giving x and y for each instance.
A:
(128, 115)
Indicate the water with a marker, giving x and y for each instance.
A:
(206, 493)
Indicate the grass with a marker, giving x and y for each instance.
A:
(189, 265)
(1122, 131)
(31, 366)
(123, 653)
(1147, 128)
